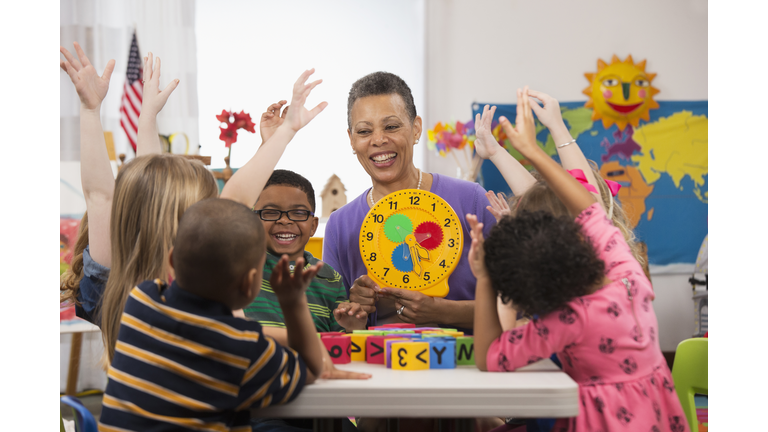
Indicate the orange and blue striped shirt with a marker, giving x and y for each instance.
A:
(183, 362)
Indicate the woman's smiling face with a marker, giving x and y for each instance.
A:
(383, 137)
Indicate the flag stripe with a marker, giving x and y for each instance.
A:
(130, 107)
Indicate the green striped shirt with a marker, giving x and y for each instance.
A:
(323, 295)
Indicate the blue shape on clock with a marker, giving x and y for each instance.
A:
(401, 258)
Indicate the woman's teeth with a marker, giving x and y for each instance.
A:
(383, 157)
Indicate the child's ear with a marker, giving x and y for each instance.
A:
(251, 284)
(315, 222)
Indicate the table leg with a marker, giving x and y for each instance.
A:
(74, 363)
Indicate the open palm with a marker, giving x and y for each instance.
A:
(298, 116)
(90, 87)
(485, 143)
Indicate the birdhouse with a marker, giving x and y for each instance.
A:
(333, 195)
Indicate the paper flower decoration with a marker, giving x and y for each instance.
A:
(453, 138)
(233, 122)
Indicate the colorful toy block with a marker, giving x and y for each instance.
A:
(465, 350)
(397, 325)
(442, 353)
(338, 347)
(410, 355)
(374, 349)
(388, 349)
(357, 347)
(331, 334)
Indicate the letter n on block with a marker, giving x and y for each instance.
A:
(410, 355)
(338, 347)
(465, 350)
(442, 353)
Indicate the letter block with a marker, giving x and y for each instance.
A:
(374, 349)
(397, 325)
(465, 350)
(338, 347)
(357, 347)
(442, 353)
(388, 349)
(410, 355)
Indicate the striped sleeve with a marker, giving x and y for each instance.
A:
(275, 376)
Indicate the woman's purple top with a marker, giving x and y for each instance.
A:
(341, 249)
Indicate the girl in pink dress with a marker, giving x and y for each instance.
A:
(590, 299)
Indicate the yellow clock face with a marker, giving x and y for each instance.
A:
(412, 239)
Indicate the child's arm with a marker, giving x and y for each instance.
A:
(271, 119)
(487, 326)
(96, 175)
(523, 137)
(153, 100)
(517, 177)
(246, 184)
(291, 294)
(571, 156)
(351, 316)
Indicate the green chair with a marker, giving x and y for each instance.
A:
(690, 373)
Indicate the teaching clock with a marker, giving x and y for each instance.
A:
(412, 239)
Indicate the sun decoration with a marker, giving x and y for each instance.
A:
(620, 92)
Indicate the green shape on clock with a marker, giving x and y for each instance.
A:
(397, 228)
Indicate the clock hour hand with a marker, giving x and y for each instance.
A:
(418, 253)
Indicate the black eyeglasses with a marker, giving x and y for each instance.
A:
(274, 215)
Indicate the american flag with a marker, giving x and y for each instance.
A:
(130, 105)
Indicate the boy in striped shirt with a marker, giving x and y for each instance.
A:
(182, 360)
(286, 207)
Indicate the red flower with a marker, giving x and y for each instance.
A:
(243, 120)
(228, 135)
(224, 117)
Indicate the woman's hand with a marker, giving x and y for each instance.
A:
(485, 144)
(91, 88)
(271, 119)
(476, 252)
(499, 207)
(298, 116)
(153, 100)
(419, 308)
(351, 316)
(523, 134)
(364, 292)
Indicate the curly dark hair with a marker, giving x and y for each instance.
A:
(380, 83)
(540, 261)
(281, 177)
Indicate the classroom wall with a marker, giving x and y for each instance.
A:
(483, 50)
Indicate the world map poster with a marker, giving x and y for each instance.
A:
(662, 165)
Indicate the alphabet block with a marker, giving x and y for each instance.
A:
(442, 353)
(388, 349)
(357, 347)
(398, 325)
(465, 350)
(338, 347)
(374, 349)
(410, 355)
(454, 333)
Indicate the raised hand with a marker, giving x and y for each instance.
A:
(523, 134)
(485, 144)
(351, 316)
(153, 100)
(499, 207)
(476, 252)
(271, 119)
(91, 88)
(549, 112)
(292, 287)
(298, 116)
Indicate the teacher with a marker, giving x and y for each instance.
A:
(383, 128)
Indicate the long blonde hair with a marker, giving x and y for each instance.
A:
(69, 284)
(151, 194)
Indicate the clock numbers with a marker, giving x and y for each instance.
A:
(447, 223)
(426, 276)
(415, 201)
(450, 243)
(405, 278)
(393, 205)
(386, 270)
(373, 256)
(433, 206)
(442, 263)
(378, 218)
(369, 236)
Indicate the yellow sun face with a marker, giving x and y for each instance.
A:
(620, 93)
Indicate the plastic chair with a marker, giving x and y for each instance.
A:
(690, 373)
(84, 421)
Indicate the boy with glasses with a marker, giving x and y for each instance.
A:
(286, 207)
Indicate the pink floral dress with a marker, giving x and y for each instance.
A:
(607, 342)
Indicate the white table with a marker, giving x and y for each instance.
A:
(540, 390)
(77, 327)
